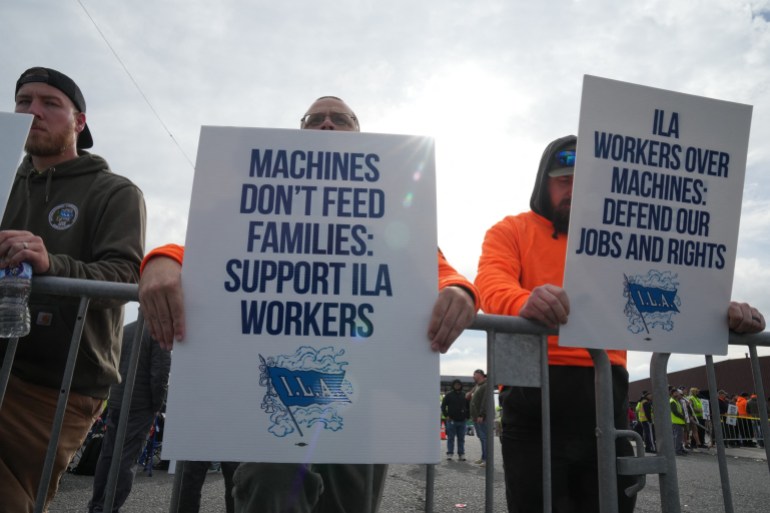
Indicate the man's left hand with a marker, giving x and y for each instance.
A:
(744, 318)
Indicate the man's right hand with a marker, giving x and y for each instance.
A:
(548, 305)
(160, 297)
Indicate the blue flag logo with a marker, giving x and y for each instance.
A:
(652, 299)
(303, 388)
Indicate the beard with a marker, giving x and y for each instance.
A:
(48, 144)
(561, 217)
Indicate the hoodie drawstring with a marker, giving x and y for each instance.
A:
(50, 173)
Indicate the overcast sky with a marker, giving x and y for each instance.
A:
(492, 80)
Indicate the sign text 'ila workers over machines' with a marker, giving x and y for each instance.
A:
(654, 222)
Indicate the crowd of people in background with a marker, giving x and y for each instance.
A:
(692, 423)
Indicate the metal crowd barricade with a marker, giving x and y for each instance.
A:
(86, 290)
(517, 352)
(517, 355)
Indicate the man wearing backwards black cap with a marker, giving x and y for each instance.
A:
(520, 272)
(68, 215)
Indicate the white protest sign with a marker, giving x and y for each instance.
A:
(14, 129)
(654, 221)
(309, 277)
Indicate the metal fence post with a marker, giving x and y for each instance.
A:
(605, 432)
(61, 407)
(545, 391)
(430, 482)
(759, 387)
(727, 496)
(669, 483)
(176, 487)
(5, 371)
(125, 413)
(489, 471)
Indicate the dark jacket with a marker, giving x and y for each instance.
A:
(454, 406)
(92, 222)
(752, 406)
(479, 401)
(151, 381)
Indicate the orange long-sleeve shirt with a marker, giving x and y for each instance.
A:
(519, 253)
(447, 275)
(741, 403)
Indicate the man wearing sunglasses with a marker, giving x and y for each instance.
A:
(278, 487)
(520, 273)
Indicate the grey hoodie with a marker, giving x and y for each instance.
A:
(540, 203)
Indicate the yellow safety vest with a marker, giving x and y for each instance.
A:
(674, 418)
(640, 415)
(697, 406)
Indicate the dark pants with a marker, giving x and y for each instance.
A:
(296, 488)
(481, 432)
(193, 476)
(139, 423)
(575, 482)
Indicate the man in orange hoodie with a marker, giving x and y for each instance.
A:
(274, 488)
(521, 273)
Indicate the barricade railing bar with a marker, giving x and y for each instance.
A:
(511, 345)
(517, 354)
(742, 430)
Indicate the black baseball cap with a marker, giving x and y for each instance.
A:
(64, 84)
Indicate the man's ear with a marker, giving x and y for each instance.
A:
(80, 121)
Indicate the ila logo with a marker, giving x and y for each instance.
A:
(651, 301)
(305, 389)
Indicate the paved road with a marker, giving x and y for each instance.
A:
(459, 487)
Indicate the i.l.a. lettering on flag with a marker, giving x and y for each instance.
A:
(305, 387)
(651, 300)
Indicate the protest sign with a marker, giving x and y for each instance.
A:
(654, 221)
(309, 277)
(14, 129)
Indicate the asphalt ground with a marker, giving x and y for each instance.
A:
(459, 486)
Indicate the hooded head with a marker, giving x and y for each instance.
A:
(455, 383)
(552, 165)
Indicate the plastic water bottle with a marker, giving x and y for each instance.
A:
(15, 283)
